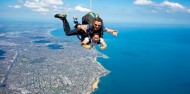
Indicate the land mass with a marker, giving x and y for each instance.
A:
(34, 62)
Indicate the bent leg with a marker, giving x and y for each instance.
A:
(67, 30)
(72, 32)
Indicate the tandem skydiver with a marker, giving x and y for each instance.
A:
(92, 25)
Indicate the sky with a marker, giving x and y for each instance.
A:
(125, 11)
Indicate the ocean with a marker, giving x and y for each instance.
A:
(146, 59)
(2, 54)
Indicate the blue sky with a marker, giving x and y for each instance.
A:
(127, 11)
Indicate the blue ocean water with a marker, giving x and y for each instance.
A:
(145, 60)
(41, 41)
(2, 54)
(55, 46)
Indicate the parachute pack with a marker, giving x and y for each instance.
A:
(89, 18)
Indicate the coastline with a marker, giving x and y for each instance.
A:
(49, 32)
(97, 79)
(95, 84)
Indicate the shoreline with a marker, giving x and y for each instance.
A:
(49, 32)
(97, 79)
(95, 84)
(95, 59)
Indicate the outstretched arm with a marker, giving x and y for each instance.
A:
(114, 32)
(104, 46)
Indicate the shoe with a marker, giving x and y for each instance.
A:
(61, 16)
(75, 18)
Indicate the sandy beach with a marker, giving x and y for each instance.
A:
(95, 84)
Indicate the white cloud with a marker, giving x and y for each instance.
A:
(143, 2)
(43, 6)
(43, 10)
(81, 9)
(34, 4)
(50, 6)
(53, 2)
(67, 9)
(167, 6)
(15, 6)
(173, 5)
